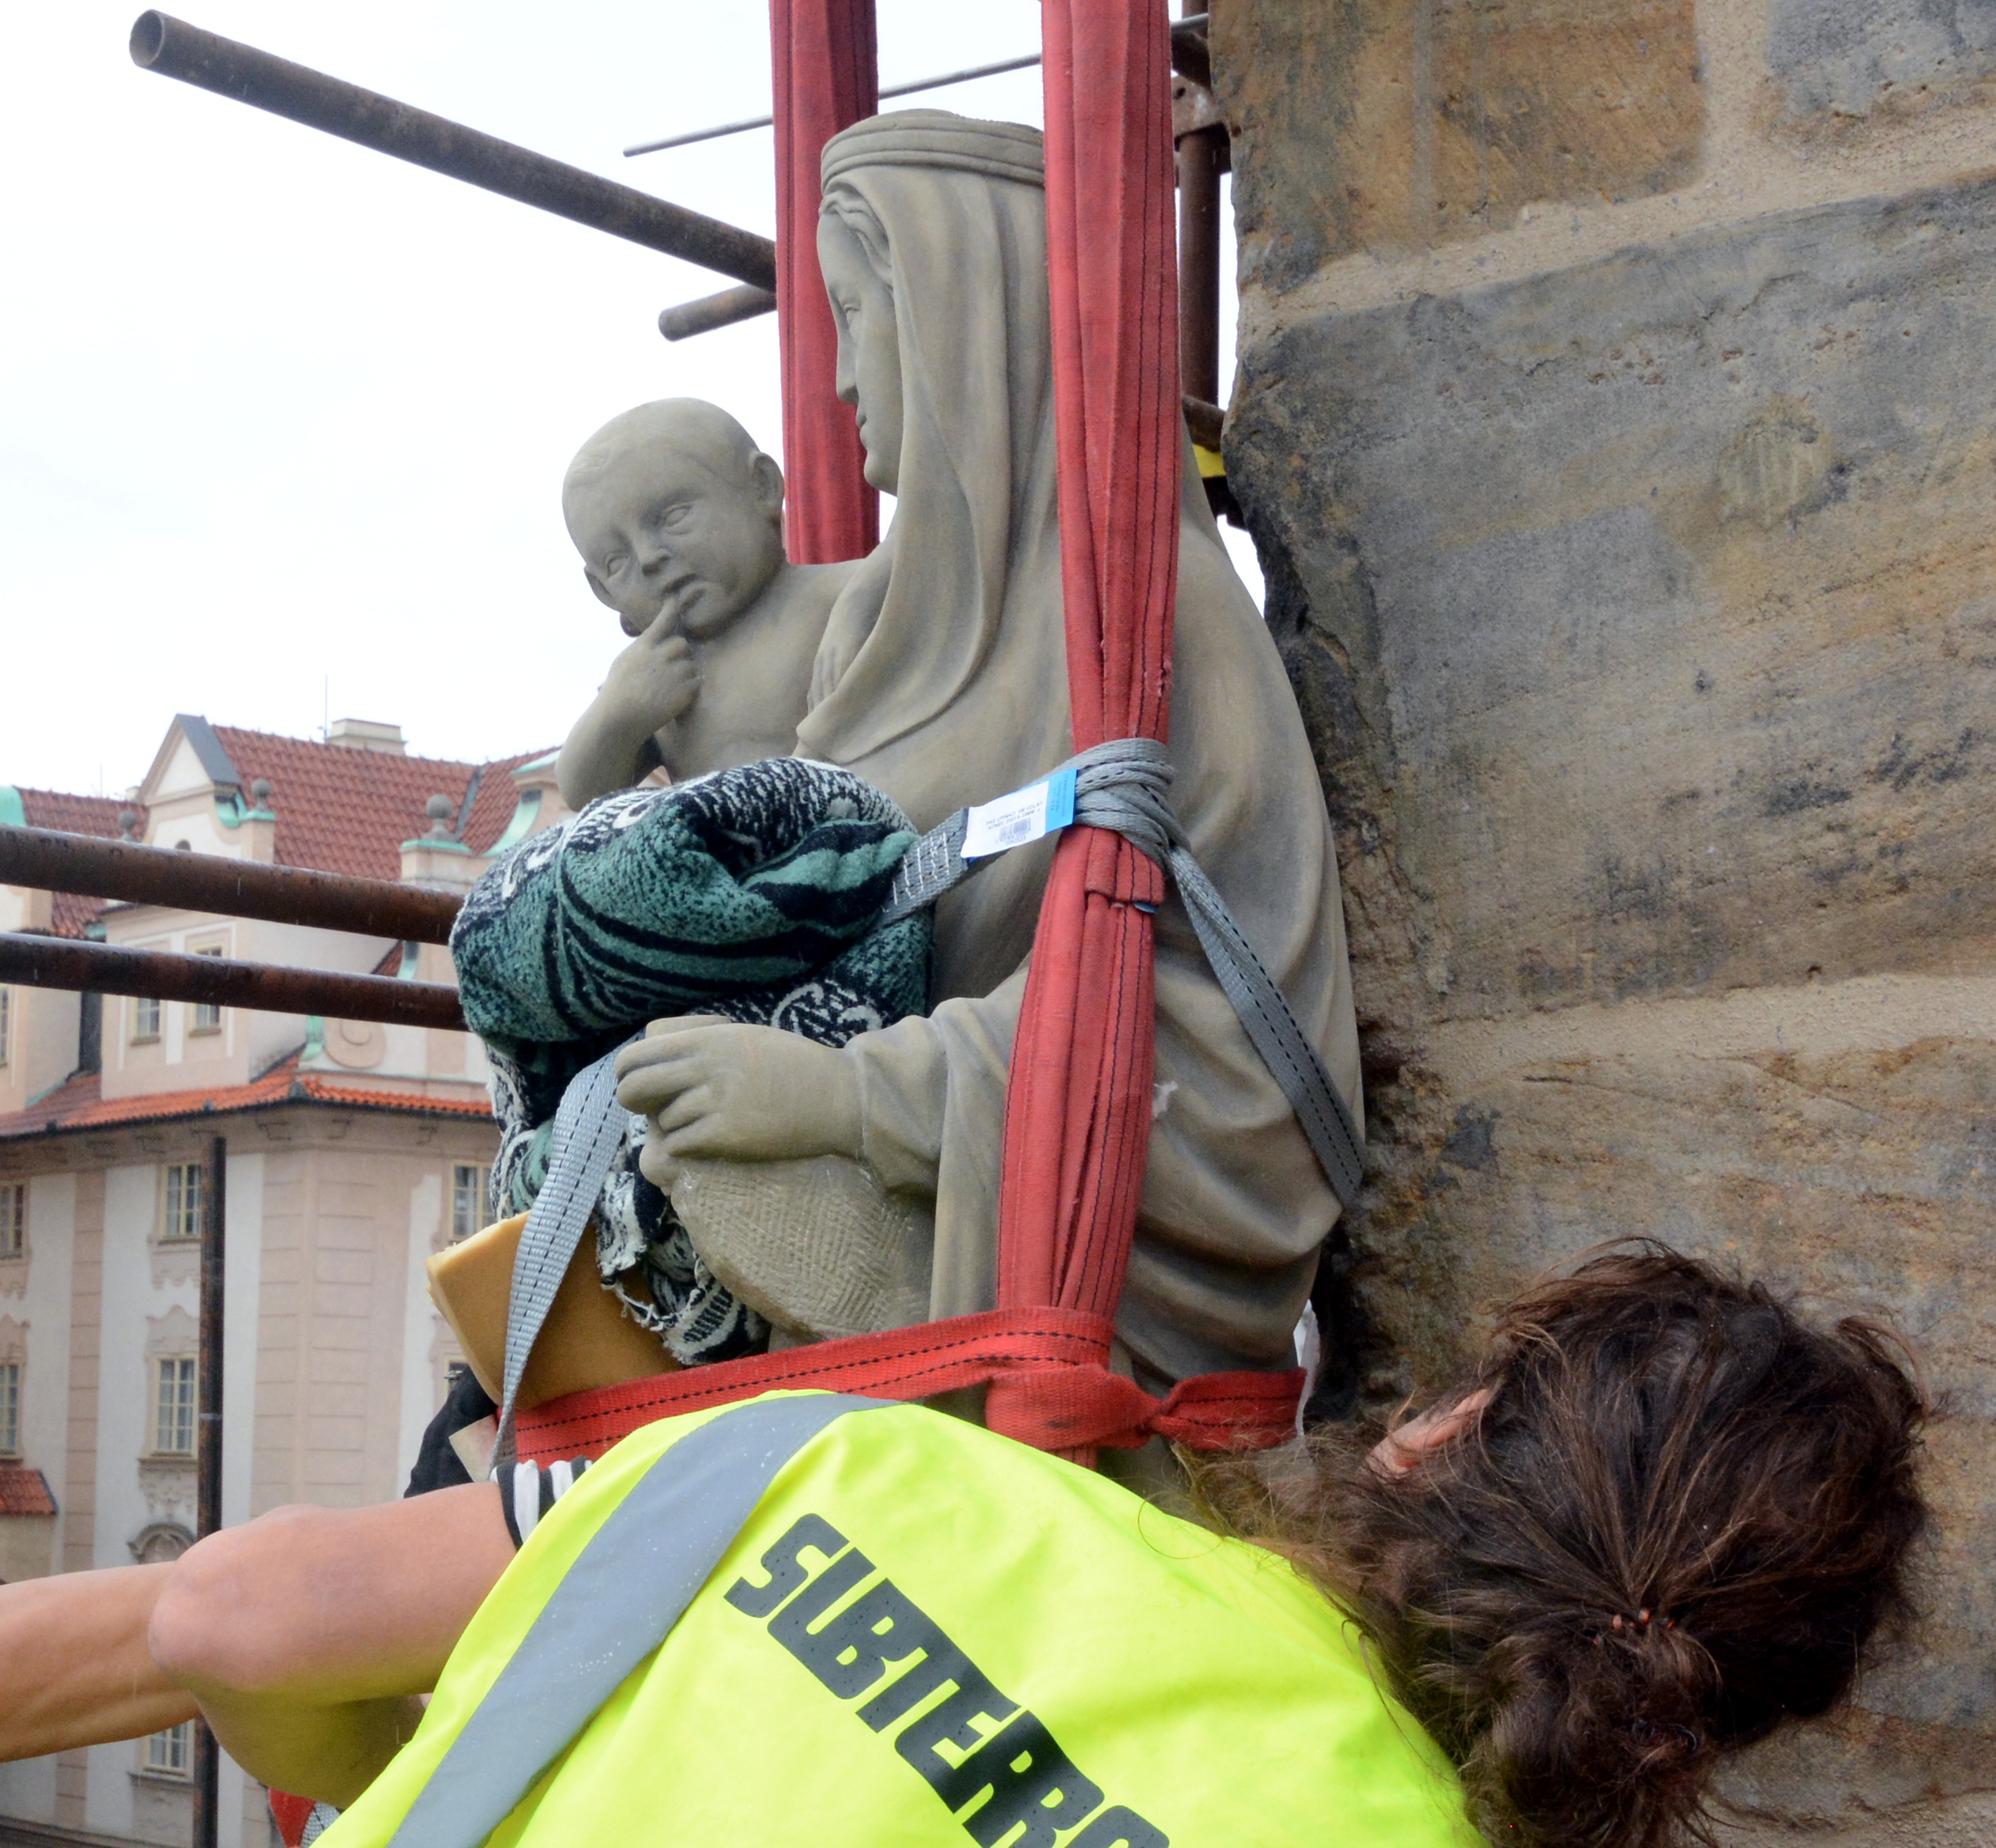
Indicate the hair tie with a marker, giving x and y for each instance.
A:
(1640, 1621)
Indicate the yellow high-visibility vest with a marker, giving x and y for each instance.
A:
(903, 1632)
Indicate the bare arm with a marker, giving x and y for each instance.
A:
(74, 1668)
(650, 687)
(306, 1635)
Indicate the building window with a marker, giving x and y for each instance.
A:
(186, 1189)
(13, 1219)
(145, 1020)
(173, 1407)
(207, 1014)
(10, 1408)
(469, 1184)
(171, 1754)
(6, 1024)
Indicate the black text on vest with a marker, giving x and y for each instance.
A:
(1035, 1789)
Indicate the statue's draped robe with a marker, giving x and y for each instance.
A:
(942, 680)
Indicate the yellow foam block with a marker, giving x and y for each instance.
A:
(586, 1341)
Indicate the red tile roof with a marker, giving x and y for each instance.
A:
(94, 815)
(81, 1104)
(319, 1087)
(344, 810)
(498, 797)
(24, 1491)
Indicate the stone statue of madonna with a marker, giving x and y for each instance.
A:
(942, 680)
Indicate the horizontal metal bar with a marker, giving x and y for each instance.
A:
(173, 48)
(46, 861)
(962, 77)
(1188, 46)
(710, 312)
(103, 968)
(756, 121)
(746, 126)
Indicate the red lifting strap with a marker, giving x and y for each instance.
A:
(1051, 1362)
(826, 78)
(1078, 1098)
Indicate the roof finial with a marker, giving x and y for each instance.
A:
(128, 821)
(439, 808)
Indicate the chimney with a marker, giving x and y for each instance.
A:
(367, 734)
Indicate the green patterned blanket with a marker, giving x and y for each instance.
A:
(751, 894)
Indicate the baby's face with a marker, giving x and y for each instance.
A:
(658, 528)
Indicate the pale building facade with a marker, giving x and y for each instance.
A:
(354, 1152)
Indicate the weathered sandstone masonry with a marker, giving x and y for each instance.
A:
(1616, 420)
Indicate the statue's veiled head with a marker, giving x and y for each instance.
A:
(932, 223)
(672, 500)
(932, 239)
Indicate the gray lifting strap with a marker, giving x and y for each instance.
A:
(1123, 786)
(588, 1128)
(629, 1586)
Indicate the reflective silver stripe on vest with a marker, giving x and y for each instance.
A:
(613, 1607)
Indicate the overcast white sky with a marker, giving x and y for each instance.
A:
(277, 412)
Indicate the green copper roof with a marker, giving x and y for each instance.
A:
(521, 826)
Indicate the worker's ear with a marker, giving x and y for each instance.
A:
(596, 584)
(766, 480)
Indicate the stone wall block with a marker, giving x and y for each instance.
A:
(1414, 122)
(1642, 614)
(1653, 602)
(1857, 1181)
(1835, 66)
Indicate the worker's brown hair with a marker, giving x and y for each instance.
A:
(1680, 1519)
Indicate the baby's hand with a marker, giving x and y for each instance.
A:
(655, 680)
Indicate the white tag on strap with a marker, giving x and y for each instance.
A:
(1024, 816)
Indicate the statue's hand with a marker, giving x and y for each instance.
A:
(654, 682)
(715, 1089)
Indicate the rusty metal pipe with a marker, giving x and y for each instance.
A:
(1200, 155)
(46, 861)
(1206, 421)
(208, 1448)
(103, 968)
(173, 48)
(1191, 54)
(710, 312)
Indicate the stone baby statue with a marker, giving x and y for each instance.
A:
(678, 518)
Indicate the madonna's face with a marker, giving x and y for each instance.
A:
(870, 350)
